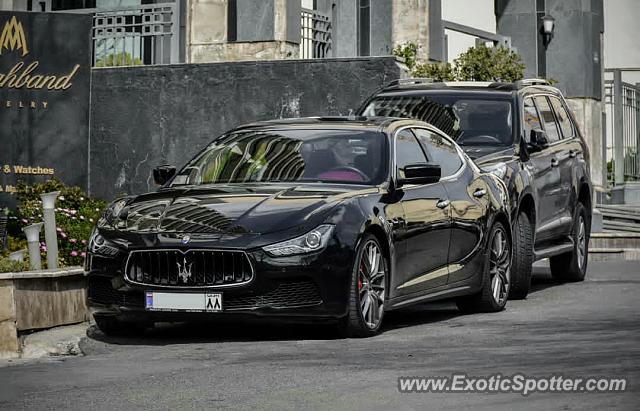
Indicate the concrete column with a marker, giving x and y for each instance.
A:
(410, 22)
(618, 129)
(588, 114)
(264, 30)
(206, 29)
(345, 33)
(517, 19)
(13, 5)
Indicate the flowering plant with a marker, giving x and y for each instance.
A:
(76, 214)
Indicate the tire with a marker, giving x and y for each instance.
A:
(572, 266)
(522, 262)
(359, 322)
(496, 276)
(113, 327)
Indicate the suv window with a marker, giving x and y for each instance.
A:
(408, 151)
(471, 121)
(531, 118)
(563, 117)
(439, 151)
(548, 119)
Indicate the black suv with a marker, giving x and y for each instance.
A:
(524, 133)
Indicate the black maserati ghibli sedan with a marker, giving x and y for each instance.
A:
(319, 219)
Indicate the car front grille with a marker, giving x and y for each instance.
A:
(285, 295)
(192, 268)
(300, 293)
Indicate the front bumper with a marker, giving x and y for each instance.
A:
(311, 286)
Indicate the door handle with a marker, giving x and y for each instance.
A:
(554, 162)
(443, 204)
(572, 153)
(479, 193)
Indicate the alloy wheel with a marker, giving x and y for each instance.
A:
(372, 274)
(499, 266)
(582, 242)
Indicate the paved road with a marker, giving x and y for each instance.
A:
(590, 328)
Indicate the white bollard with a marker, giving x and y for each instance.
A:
(33, 239)
(50, 235)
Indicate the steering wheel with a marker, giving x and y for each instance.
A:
(352, 169)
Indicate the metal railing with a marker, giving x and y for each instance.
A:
(622, 107)
(315, 35)
(135, 35)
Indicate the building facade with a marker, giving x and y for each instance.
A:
(143, 32)
(572, 58)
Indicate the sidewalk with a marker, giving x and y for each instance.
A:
(54, 342)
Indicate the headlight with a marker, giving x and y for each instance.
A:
(314, 240)
(99, 245)
(111, 215)
(499, 170)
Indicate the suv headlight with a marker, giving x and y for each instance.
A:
(314, 240)
(499, 170)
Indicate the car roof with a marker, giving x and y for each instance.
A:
(333, 123)
(425, 86)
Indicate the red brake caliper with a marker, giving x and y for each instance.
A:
(359, 278)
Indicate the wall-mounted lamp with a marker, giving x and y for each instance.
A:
(548, 26)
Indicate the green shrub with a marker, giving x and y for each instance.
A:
(480, 63)
(76, 214)
(9, 266)
(436, 71)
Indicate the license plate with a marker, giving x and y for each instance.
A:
(195, 302)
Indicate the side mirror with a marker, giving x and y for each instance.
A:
(162, 174)
(538, 141)
(420, 174)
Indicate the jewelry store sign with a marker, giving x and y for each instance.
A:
(45, 69)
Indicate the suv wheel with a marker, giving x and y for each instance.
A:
(496, 276)
(522, 257)
(572, 266)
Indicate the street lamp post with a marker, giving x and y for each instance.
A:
(547, 28)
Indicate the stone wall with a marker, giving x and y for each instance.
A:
(39, 299)
(145, 116)
(588, 113)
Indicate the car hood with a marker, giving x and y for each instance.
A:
(487, 155)
(234, 209)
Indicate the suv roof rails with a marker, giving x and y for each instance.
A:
(517, 85)
(532, 82)
(408, 81)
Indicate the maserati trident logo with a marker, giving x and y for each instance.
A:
(184, 270)
(12, 37)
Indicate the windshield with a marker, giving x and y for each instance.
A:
(470, 121)
(353, 156)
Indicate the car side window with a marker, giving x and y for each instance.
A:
(408, 151)
(548, 119)
(531, 118)
(563, 118)
(439, 151)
